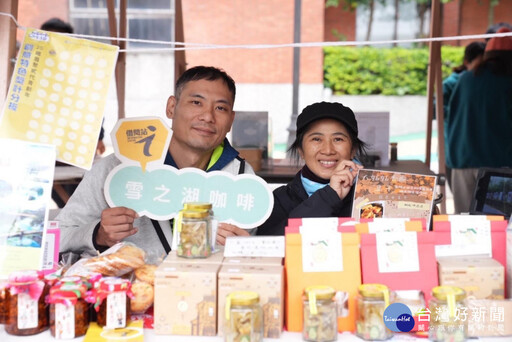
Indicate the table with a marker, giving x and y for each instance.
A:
(283, 170)
(150, 336)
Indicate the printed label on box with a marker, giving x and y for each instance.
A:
(254, 246)
(397, 252)
(474, 237)
(325, 223)
(387, 225)
(322, 252)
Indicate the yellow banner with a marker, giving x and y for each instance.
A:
(58, 94)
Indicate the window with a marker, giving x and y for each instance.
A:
(151, 20)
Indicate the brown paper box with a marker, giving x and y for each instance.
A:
(267, 281)
(186, 299)
(270, 261)
(215, 259)
(480, 277)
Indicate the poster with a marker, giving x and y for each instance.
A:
(26, 179)
(58, 93)
(393, 194)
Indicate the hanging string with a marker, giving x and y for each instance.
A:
(202, 46)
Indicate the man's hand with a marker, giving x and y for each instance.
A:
(343, 177)
(116, 224)
(225, 229)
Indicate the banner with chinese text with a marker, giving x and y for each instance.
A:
(58, 93)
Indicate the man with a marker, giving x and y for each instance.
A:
(202, 114)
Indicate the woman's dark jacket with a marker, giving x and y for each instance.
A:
(292, 201)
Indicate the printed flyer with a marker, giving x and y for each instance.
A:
(393, 194)
(58, 94)
(26, 179)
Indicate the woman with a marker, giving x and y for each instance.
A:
(327, 142)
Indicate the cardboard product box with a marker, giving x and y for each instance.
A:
(214, 259)
(346, 281)
(267, 281)
(480, 277)
(253, 156)
(186, 299)
(269, 261)
(489, 317)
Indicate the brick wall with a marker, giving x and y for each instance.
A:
(33, 13)
(474, 17)
(255, 22)
(342, 21)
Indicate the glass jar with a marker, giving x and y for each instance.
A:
(111, 299)
(244, 317)
(373, 299)
(194, 234)
(26, 311)
(3, 303)
(448, 314)
(320, 319)
(69, 315)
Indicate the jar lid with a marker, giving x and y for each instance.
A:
(240, 298)
(375, 291)
(244, 297)
(23, 277)
(197, 206)
(67, 293)
(113, 284)
(444, 291)
(320, 292)
(195, 214)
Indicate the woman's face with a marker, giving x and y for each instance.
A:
(326, 143)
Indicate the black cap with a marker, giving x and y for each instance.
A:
(327, 110)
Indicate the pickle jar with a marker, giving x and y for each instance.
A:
(69, 315)
(111, 300)
(448, 314)
(244, 317)
(320, 319)
(194, 234)
(26, 311)
(372, 300)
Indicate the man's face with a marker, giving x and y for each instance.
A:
(202, 116)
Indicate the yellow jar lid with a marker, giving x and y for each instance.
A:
(244, 297)
(444, 291)
(195, 214)
(240, 298)
(373, 290)
(320, 292)
(197, 206)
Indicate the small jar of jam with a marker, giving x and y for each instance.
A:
(3, 302)
(194, 234)
(26, 312)
(320, 319)
(373, 299)
(448, 320)
(111, 299)
(244, 317)
(69, 316)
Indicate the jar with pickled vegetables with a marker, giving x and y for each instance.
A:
(194, 230)
(26, 312)
(448, 314)
(111, 300)
(244, 317)
(69, 315)
(373, 299)
(320, 319)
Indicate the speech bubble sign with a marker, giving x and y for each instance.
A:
(159, 193)
(141, 140)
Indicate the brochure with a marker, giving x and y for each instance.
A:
(393, 194)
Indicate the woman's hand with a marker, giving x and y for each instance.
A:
(343, 177)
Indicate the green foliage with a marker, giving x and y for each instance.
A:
(384, 71)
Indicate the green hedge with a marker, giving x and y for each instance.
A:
(384, 71)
